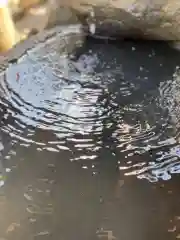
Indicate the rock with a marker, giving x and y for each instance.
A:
(61, 16)
(147, 19)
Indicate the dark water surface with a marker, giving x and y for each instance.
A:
(90, 143)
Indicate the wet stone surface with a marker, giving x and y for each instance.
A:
(90, 141)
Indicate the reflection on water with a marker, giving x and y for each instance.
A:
(89, 142)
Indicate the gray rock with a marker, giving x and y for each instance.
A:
(147, 19)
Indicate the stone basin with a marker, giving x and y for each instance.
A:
(89, 139)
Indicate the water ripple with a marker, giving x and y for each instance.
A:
(85, 103)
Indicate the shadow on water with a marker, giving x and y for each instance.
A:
(90, 143)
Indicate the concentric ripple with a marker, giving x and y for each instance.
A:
(85, 99)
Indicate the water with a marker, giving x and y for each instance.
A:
(90, 142)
